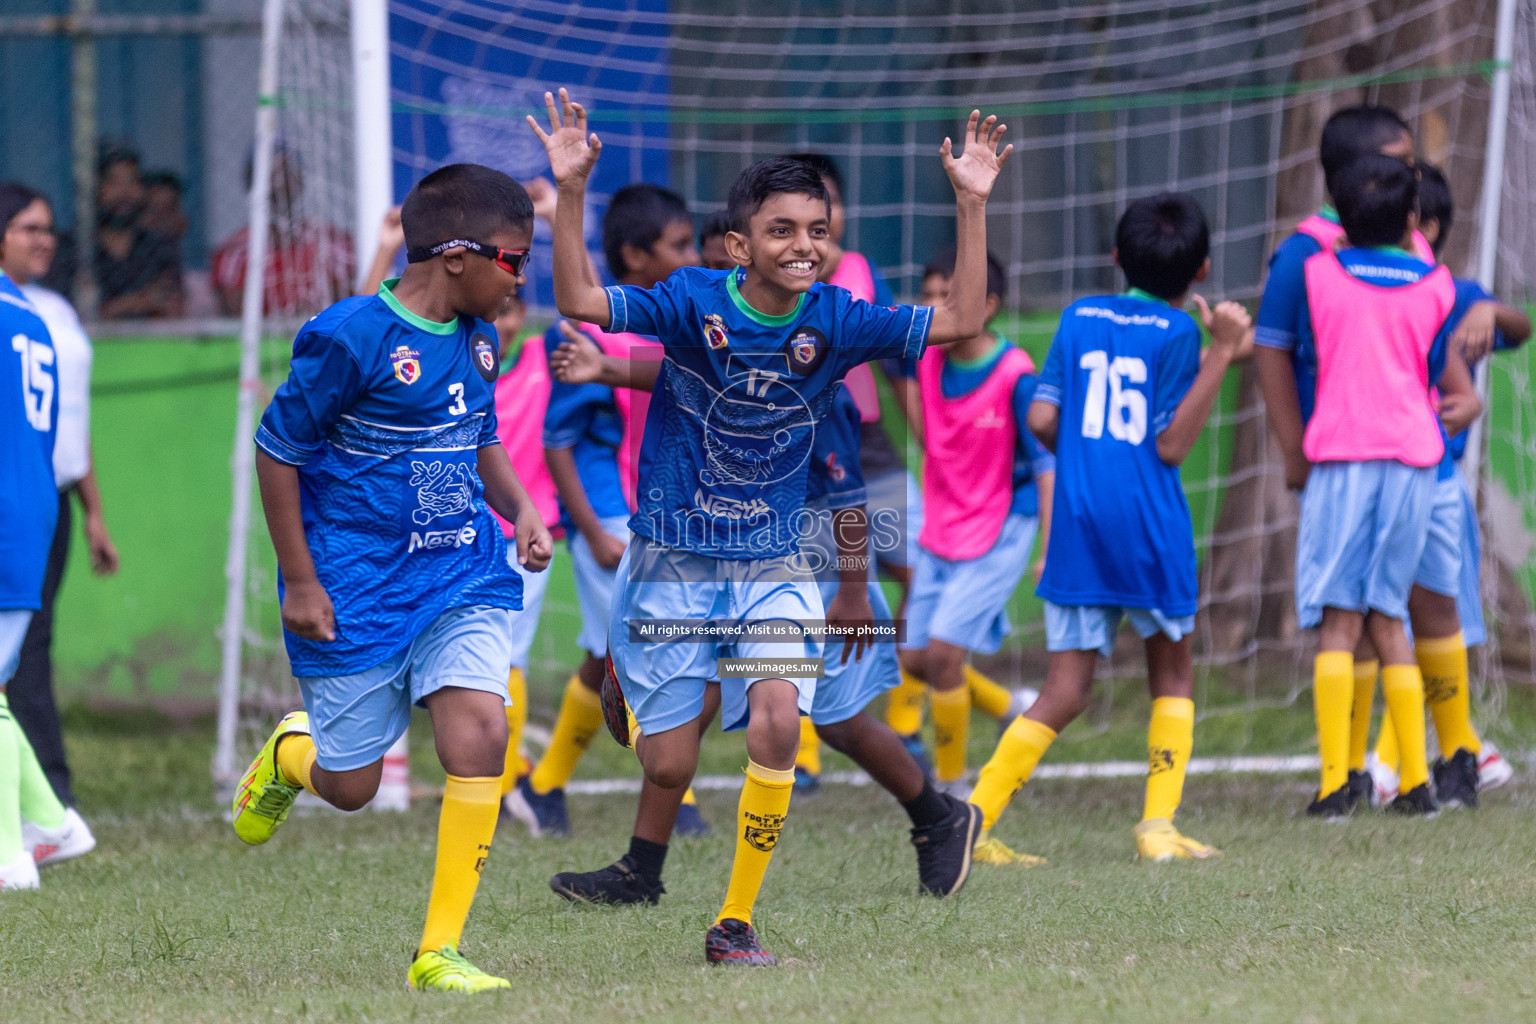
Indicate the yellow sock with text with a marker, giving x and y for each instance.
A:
(581, 715)
(904, 707)
(1333, 691)
(464, 831)
(759, 819)
(1443, 664)
(1020, 749)
(1404, 689)
(951, 732)
(808, 757)
(1360, 712)
(1170, 739)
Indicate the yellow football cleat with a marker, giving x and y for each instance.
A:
(264, 797)
(1157, 840)
(993, 851)
(444, 970)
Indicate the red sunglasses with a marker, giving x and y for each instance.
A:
(513, 261)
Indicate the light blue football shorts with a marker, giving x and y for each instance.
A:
(1440, 566)
(356, 718)
(1361, 537)
(847, 689)
(895, 504)
(13, 630)
(594, 587)
(663, 680)
(965, 602)
(526, 622)
(1092, 627)
(1469, 590)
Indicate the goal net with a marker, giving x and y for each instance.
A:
(1104, 102)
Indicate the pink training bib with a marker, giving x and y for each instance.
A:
(522, 396)
(968, 472)
(1327, 233)
(1373, 345)
(853, 273)
(632, 405)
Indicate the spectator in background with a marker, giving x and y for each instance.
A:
(27, 248)
(138, 270)
(309, 264)
(162, 213)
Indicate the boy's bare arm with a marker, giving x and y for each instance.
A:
(1042, 421)
(1459, 404)
(606, 548)
(850, 606)
(1045, 486)
(307, 610)
(1282, 407)
(1230, 327)
(1474, 336)
(962, 314)
(579, 361)
(505, 493)
(572, 155)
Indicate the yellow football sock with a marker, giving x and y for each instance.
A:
(988, 694)
(10, 787)
(1386, 743)
(904, 707)
(1404, 689)
(296, 759)
(1010, 766)
(517, 717)
(464, 831)
(581, 715)
(951, 732)
(1170, 738)
(759, 818)
(39, 803)
(1360, 712)
(808, 757)
(689, 798)
(1333, 689)
(1443, 663)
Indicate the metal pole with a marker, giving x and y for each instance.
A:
(372, 143)
(242, 462)
(82, 79)
(1488, 209)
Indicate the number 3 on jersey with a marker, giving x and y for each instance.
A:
(1108, 395)
(458, 408)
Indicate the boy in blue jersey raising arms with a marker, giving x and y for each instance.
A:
(377, 459)
(1122, 398)
(752, 362)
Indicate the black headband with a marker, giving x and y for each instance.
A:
(423, 253)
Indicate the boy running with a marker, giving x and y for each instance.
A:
(377, 460)
(752, 360)
(1123, 398)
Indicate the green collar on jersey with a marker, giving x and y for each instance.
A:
(979, 361)
(1329, 213)
(762, 318)
(1143, 295)
(387, 293)
(1390, 250)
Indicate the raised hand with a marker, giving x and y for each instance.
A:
(545, 199)
(578, 360)
(572, 151)
(1230, 325)
(975, 170)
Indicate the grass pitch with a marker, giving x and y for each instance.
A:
(1377, 920)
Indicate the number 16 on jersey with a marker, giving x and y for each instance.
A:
(1109, 398)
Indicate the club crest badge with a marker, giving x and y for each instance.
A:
(714, 331)
(484, 352)
(806, 348)
(407, 364)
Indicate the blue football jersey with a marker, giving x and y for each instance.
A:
(29, 417)
(836, 476)
(738, 403)
(384, 413)
(1121, 532)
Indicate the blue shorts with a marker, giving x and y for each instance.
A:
(526, 622)
(594, 587)
(1074, 627)
(847, 689)
(965, 602)
(1440, 566)
(663, 680)
(13, 630)
(1362, 534)
(356, 718)
(1469, 590)
(895, 504)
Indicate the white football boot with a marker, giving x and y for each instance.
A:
(1383, 781)
(20, 873)
(1492, 768)
(51, 845)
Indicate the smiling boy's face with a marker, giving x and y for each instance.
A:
(786, 241)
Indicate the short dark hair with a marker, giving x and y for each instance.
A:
(110, 154)
(637, 215)
(1374, 196)
(1162, 242)
(716, 225)
(1435, 202)
(15, 197)
(777, 176)
(166, 179)
(943, 265)
(463, 201)
(824, 167)
(1354, 132)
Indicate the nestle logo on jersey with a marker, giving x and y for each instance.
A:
(433, 540)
